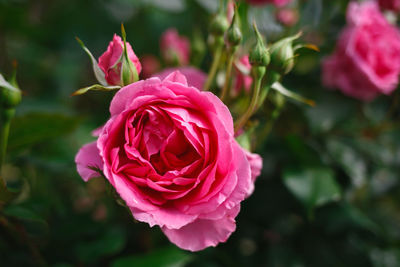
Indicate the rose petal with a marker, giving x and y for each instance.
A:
(88, 156)
(203, 233)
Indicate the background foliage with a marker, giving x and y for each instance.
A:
(328, 194)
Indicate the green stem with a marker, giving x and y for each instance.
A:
(5, 119)
(214, 67)
(227, 84)
(257, 77)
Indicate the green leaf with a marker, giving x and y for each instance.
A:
(111, 242)
(100, 76)
(169, 256)
(96, 87)
(33, 222)
(350, 160)
(32, 128)
(313, 187)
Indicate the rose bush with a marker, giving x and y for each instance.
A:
(169, 151)
(366, 62)
(110, 62)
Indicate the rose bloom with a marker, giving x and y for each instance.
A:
(195, 77)
(175, 49)
(278, 3)
(110, 62)
(366, 61)
(169, 151)
(393, 5)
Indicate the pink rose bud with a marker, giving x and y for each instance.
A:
(175, 49)
(278, 3)
(366, 61)
(117, 69)
(150, 65)
(393, 5)
(287, 16)
(169, 151)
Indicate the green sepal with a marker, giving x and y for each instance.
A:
(281, 89)
(100, 76)
(95, 87)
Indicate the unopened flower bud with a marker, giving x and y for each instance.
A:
(282, 55)
(10, 95)
(119, 63)
(234, 34)
(259, 56)
(219, 25)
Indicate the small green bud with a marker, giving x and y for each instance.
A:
(219, 25)
(234, 34)
(10, 95)
(282, 55)
(259, 56)
(10, 98)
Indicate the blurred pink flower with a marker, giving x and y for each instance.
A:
(393, 5)
(175, 49)
(111, 60)
(287, 16)
(150, 65)
(278, 3)
(366, 61)
(242, 80)
(169, 151)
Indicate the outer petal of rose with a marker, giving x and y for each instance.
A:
(222, 203)
(203, 233)
(88, 156)
(256, 164)
(164, 217)
(194, 76)
(176, 77)
(124, 97)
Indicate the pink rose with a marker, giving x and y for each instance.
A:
(194, 76)
(174, 48)
(111, 60)
(278, 3)
(243, 80)
(287, 16)
(393, 5)
(168, 150)
(366, 62)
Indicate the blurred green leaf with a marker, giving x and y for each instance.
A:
(326, 115)
(33, 222)
(111, 242)
(350, 160)
(166, 257)
(5, 194)
(32, 128)
(313, 187)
